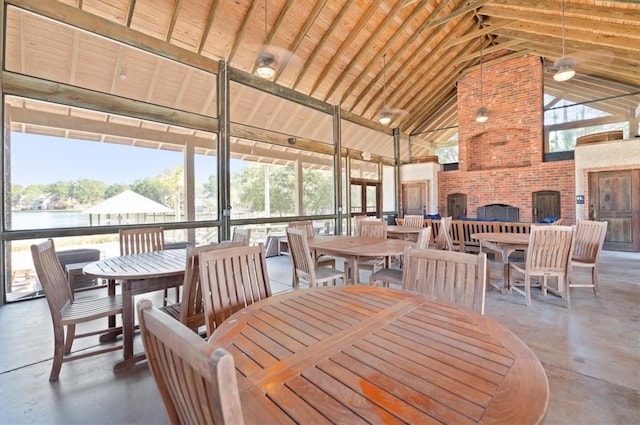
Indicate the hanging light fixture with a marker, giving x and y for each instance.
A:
(565, 64)
(385, 114)
(482, 112)
(265, 64)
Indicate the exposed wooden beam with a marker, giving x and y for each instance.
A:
(493, 25)
(211, 16)
(239, 37)
(456, 13)
(507, 45)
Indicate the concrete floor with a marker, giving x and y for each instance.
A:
(591, 354)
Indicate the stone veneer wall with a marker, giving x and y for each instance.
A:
(501, 160)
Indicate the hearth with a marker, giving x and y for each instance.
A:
(500, 212)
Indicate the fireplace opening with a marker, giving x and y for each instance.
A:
(498, 212)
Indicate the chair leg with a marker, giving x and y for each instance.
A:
(527, 289)
(71, 333)
(566, 288)
(58, 352)
(594, 279)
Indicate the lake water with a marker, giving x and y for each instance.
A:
(24, 220)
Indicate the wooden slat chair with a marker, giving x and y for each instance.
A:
(413, 220)
(241, 235)
(548, 255)
(443, 238)
(67, 312)
(452, 276)
(141, 240)
(370, 229)
(388, 275)
(190, 311)
(304, 266)
(231, 279)
(588, 244)
(197, 381)
(321, 260)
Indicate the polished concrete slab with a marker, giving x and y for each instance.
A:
(591, 354)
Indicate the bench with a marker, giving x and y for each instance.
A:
(463, 229)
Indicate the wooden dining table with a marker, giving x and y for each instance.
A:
(139, 274)
(365, 354)
(352, 248)
(403, 232)
(504, 244)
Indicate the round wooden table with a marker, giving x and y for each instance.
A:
(504, 244)
(139, 273)
(366, 354)
(354, 247)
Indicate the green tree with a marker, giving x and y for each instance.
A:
(151, 188)
(317, 192)
(59, 192)
(114, 189)
(88, 191)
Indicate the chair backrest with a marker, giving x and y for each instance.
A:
(232, 279)
(52, 278)
(197, 381)
(306, 226)
(452, 276)
(589, 240)
(137, 241)
(241, 235)
(373, 229)
(423, 238)
(413, 220)
(192, 308)
(549, 250)
(301, 255)
(443, 239)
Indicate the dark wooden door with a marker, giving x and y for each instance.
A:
(414, 197)
(614, 197)
(457, 205)
(546, 203)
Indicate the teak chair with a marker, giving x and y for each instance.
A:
(413, 220)
(443, 236)
(387, 275)
(452, 276)
(370, 229)
(548, 255)
(241, 235)
(190, 311)
(304, 266)
(232, 279)
(197, 381)
(67, 312)
(321, 260)
(141, 240)
(588, 244)
(137, 241)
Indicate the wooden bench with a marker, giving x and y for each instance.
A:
(463, 229)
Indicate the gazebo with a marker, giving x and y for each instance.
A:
(124, 204)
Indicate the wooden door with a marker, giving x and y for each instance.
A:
(457, 205)
(546, 203)
(614, 197)
(414, 196)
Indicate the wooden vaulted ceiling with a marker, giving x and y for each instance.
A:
(334, 50)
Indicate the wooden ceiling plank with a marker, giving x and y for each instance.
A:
(378, 56)
(494, 24)
(239, 36)
(211, 16)
(322, 43)
(346, 44)
(380, 32)
(174, 19)
(130, 10)
(593, 11)
(302, 34)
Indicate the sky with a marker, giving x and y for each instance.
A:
(37, 159)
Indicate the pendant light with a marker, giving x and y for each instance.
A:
(385, 114)
(265, 64)
(482, 112)
(565, 64)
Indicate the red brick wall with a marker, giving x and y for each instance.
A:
(500, 161)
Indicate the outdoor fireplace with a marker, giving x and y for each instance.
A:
(499, 212)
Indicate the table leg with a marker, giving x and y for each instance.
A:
(127, 327)
(110, 336)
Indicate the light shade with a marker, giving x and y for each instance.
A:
(482, 115)
(564, 74)
(385, 119)
(266, 65)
